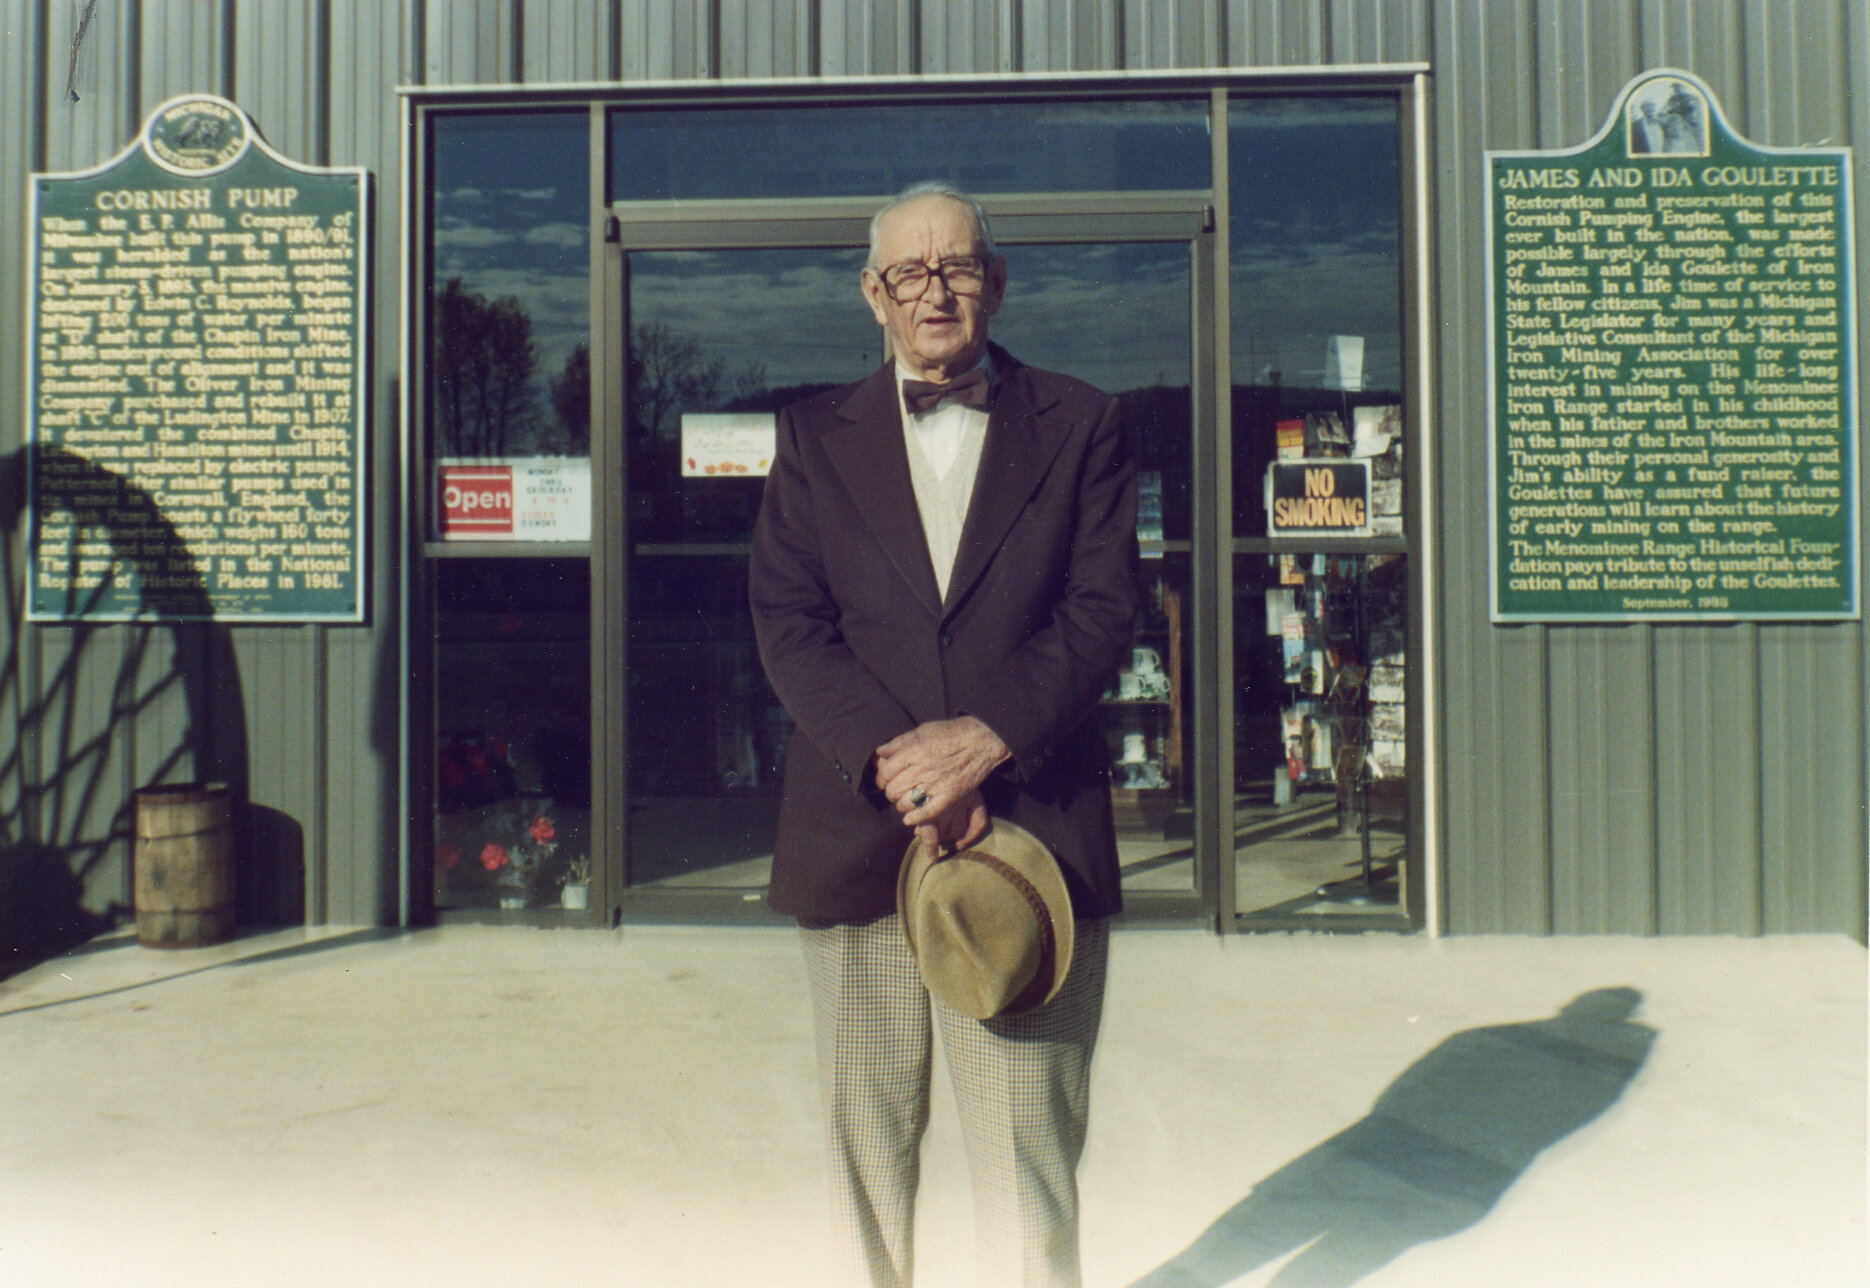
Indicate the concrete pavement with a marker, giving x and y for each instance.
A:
(495, 1106)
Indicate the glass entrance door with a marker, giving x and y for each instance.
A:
(1120, 315)
(716, 339)
(1321, 592)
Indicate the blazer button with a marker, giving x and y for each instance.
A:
(946, 639)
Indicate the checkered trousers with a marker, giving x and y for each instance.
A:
(1022, 1090)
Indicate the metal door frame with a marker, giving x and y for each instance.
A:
(1017, 218)
(1021, 219)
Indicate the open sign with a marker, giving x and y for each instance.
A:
(476, 500)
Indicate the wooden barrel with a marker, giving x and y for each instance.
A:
(184, 865)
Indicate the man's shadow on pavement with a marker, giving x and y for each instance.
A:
(1437, 1151)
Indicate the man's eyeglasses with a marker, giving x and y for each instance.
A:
(966, 275)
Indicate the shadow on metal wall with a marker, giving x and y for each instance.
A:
(64, 814)
(1442, 1143)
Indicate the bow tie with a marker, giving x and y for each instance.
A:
(969, 390)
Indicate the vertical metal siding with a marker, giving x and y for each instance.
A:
(1674, 783)
(469, 42)
(1798, 71)
(182, 48)
(81, 756)
(1379, 33)
(1599, 730)
(1602, 779)
(1162, 35)
(1494, 703)
(279, 78)
(1059, 35)
(21, 69)
(375, 46)
(1279, 33)
(566, 40)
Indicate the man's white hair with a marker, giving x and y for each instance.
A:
(932, 188)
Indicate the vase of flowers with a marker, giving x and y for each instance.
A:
(517, 840)
(574, 893)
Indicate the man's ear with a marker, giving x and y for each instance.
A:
(993, 291)
(875, 296)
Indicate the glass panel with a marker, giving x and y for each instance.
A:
(512, 730)
(718, 332)
(715, 333)
(1148, 719)
(1315, 192)
(730, 331)
(833, 150)
(1118, 315)
(509, 326)
(1320, 806)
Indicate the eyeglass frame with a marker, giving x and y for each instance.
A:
(940, 270)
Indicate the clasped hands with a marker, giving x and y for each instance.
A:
(932, 775)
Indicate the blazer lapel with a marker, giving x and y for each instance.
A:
(868, 453)
(1014, 461)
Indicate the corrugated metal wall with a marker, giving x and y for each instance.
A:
(1634, 779)
(1640, 779)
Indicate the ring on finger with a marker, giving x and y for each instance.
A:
(918, 797)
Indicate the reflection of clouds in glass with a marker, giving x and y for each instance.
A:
(797, 314)
(1115, 315)
(987, 147)
(460, 235)
(1288, 301)
(558, 303)
(1304, 113)
(563, 236)
(509, 207)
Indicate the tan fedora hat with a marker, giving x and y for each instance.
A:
(991, 926)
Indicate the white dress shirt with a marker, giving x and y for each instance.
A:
(944, 446)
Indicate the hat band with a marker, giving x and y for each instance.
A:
(1048, 945)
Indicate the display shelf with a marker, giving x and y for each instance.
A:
(1145, 726)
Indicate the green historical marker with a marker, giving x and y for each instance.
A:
(195, 381)
(1673, 393)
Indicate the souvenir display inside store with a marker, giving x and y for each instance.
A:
(1320, 657)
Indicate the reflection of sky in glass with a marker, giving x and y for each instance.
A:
(1115, 315)
(797, 314)
(1315, 225)
(1314, 188)
(511, 199)
(843, 151)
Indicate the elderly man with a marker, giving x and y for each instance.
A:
(943, 581)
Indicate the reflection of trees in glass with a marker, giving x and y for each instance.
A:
(486, 366)
(571, 398)
(670, 373)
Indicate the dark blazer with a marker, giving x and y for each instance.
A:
(860, 647)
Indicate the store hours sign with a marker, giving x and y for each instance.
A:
(1672, 327)
(195, 378)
